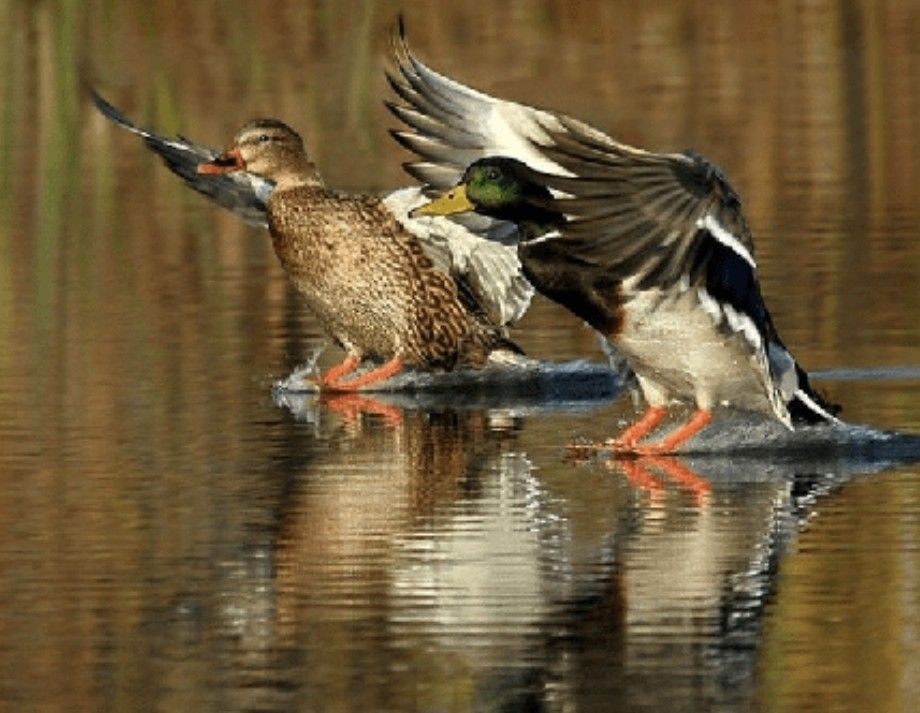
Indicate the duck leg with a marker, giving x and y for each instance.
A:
(344, 368)
(628, 439)
(697, 423)
(374, 376)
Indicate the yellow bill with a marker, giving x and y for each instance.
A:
(453, 201)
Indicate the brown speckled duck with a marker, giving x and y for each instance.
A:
(363, 274)
(386, 287)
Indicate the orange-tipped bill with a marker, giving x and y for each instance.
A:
(229, 161)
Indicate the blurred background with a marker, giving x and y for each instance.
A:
(151, 486)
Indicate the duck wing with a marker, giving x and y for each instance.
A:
(488, 274)
(449, 125)
(652, 218)
(672, 221)
(244, 193)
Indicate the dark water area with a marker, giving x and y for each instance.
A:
(174, 535)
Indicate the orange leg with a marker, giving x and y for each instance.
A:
(627, 439)
(381, 373)
(348, 365)
(650, 419)
(697, 423)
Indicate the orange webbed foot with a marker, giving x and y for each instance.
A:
(374, 376)
(344, 368)
(626, 442)
(697, 423)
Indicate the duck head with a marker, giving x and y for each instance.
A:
(268, 148)
(502, 188)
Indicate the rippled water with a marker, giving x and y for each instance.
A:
(176, 535)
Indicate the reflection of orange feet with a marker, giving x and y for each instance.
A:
(374, 376)
(638, 474)
(351, 406)
(677, 471)
(640, 477)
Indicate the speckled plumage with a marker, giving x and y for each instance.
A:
(428, 293)
(371, 283)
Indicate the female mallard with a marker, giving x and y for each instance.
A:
(385, 287)
(652, 250)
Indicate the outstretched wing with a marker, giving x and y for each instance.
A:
(450, 125)
(655, 218)
(244, 193)
(656, 221)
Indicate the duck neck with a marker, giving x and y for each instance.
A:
(533, 221)
(302, 173)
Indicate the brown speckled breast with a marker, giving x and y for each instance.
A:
(370, 282)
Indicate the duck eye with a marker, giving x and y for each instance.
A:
(264, 138)
(492, 174)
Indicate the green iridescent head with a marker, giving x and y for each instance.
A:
(496, 186)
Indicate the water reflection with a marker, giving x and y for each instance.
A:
(431, 557)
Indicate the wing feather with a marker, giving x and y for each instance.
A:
(245, 194)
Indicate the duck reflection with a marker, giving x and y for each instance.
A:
(445, 559)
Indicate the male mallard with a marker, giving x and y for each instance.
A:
(384, 286)
(652, 250)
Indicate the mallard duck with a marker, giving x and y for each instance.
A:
(386, 287)
(652, 250)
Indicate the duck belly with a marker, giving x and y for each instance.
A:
(679, 353)
(362, 318)
(370, 284)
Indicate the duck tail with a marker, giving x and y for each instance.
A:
(810, 407)
(490, 344)
(504, 344)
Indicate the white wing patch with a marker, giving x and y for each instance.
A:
(710, 306)
(740, 322)
(737, 321)
(549, 235)
(708, 222)
(501, 128)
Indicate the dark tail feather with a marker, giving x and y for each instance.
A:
(810, 407)
(506, 344)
